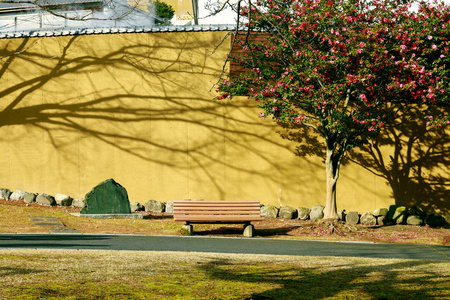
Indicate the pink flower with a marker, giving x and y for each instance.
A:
(434, 46)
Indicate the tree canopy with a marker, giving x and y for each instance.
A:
(345, 69)
(162, 10)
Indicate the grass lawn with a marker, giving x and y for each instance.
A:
(34, 274)
(57, 274)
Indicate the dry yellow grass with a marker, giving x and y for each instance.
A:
(57, 274)
(14, 218)
(30, 274)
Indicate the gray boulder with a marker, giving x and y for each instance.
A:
(29, 198)
(397, 214)
(414, 220)
(287, 212)
(17, 195)
(435, 220)
(269, 211)
(380, 212)
(136, 206)
(352, 217)
(154, 206)
(303, 213)
(4, 194)
(368, 219)
(316, 212)
(108, 197)
(63, 200)
(46, 200)
(381, 220)
(169, 207)
(78, 202)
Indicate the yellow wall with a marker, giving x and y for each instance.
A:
(181, 7)
(138, 108)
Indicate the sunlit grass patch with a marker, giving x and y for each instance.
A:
(31, 274)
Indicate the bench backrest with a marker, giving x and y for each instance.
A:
(226, 211)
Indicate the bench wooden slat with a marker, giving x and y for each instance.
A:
(217, 215)
(216, 205)
(206, 210)
(225, 218)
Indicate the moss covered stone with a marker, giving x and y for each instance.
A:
(108, 197)
(397, 214)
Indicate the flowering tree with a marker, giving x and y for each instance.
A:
(344, 69)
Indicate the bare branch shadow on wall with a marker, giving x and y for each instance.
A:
(414, 161)
(41, 89)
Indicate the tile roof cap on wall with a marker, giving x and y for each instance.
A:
(87, 31)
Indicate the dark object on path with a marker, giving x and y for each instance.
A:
(108, 197)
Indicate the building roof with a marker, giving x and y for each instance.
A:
(89, 31)
(111, 16)
(71, 14)
(21, 6)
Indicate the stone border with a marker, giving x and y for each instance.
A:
(110, 216)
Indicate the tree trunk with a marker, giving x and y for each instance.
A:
(332, 173)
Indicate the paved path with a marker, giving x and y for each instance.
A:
(221, 245)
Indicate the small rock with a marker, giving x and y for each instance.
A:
(169, 207)
(46, 200)
(414, 220)
(316, 212)
(29, 198)
(63, 200)
(380, 212)
(154, 206)
(269, 211)
(380, 220)
(303, 213)
(368, 219)
(249, 231)
(397, 214)
(352, 217)
(5, 194)
(17, 195)
(287, 212)
(341, 215)
(78, 202)
(136, 206)
(435, 220)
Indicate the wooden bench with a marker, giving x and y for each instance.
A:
(217, 212)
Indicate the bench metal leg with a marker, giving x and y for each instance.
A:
(249, 230)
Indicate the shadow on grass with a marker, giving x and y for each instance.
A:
(12, 271)
(157, 217)
(348, 281)
(238, 230)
